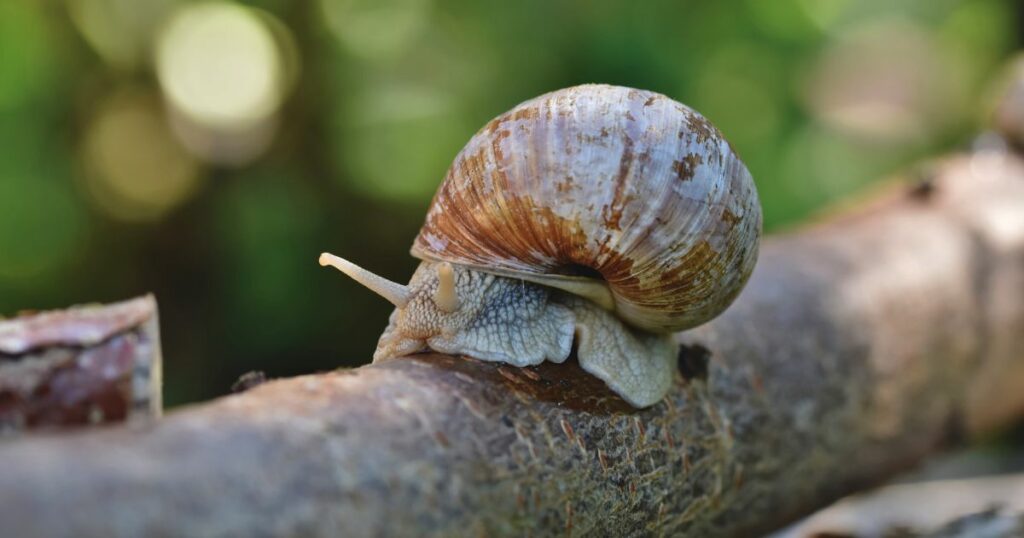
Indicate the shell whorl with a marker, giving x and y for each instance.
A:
(625, 182)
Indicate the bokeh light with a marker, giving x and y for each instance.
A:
(224, 72)
(133, 167)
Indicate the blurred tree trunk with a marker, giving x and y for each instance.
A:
(861, 345)
(989, 506)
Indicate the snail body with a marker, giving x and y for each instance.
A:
(604, 214)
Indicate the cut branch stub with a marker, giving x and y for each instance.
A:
(85, 365)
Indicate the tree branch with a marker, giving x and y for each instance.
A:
(861, 345)
(990, 506)
(87, 365)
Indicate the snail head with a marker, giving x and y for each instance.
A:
(458, 310)
(429, 306)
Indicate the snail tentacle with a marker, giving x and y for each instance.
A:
(394, 292)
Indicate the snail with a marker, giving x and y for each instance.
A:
(595, 218)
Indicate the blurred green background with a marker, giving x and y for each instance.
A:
(208, 152)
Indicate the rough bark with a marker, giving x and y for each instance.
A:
(86, 365)
(861, 345)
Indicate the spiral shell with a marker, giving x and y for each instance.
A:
(612, 183)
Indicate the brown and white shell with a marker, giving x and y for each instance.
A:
(608, 182)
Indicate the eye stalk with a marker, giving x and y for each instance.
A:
(445, 297)
(394, 292)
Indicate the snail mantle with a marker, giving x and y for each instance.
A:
(602, 215)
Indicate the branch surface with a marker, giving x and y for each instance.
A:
(86, 365)
(988, 506)
(861, 345)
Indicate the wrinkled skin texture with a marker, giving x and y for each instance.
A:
(501, 319)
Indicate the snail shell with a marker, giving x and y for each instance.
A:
(595, 218)
(596, 182)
